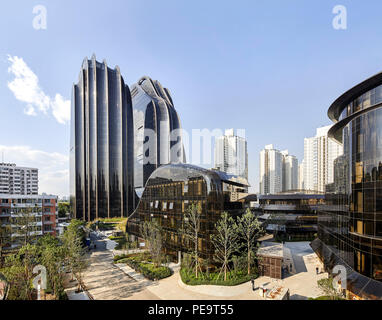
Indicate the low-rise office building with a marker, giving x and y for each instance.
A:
(171, 189)
(291, 216)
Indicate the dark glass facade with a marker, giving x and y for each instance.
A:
(170, 190)
(101, 151)
(157, 129)
(350, 224)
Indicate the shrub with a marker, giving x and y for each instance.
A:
(119, 257)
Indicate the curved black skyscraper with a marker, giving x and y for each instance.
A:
(158, 138)
(102, 137)
(350, 224)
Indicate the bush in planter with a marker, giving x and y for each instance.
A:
(234, 278)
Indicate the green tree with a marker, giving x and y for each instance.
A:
(63, 209)
(326, 285)
(74, 253)
(19, 272)
(225, 242)
(191, 229)
(5, 235)
(249, 229)
(152, 234)
(53, 257)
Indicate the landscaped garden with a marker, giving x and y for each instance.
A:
(143, 263)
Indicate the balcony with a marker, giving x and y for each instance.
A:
(5, 205)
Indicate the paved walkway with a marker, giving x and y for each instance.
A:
(104, 280)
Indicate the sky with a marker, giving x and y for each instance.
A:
(269, 67)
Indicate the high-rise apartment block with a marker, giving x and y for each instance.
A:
(319, 155)
(18, 180)
(231, 154)
(278, 171)
(290, 171)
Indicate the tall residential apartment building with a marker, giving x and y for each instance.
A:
(278, 171)
(231, 154)
(319, 155)
(290, 171)
(18, 180)
(301, 184)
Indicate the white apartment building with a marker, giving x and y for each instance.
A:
(301, 185)
(290, 171)
(278, 171)
(319, 155)
(271, 168)
(231, 154)
(18, 180)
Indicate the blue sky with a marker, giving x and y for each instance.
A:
(269, 67)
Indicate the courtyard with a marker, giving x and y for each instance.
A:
(106, 281)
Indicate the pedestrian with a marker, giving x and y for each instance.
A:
(317, 270)
(253, 284)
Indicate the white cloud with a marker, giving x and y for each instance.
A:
(26, 88)
(53, 167)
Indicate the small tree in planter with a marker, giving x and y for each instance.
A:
(225, 242)
(152, 234)
(249, 229)
(190, 230)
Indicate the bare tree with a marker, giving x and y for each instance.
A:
(225, 242)
(25, 221)
(152, 234)
(191, 229)
(249, 229)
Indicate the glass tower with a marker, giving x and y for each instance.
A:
(350, 224)
(102, 137)
(157, 130)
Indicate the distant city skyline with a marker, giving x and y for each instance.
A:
(274, 80)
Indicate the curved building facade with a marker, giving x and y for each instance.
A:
(102, 137)
(157, 129)
(350, 224)
(171, 189)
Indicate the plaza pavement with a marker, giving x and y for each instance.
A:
(106, 281)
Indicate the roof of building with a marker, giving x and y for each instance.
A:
(358, 90)
(177, 171)
(291, 196)
(271, 249)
